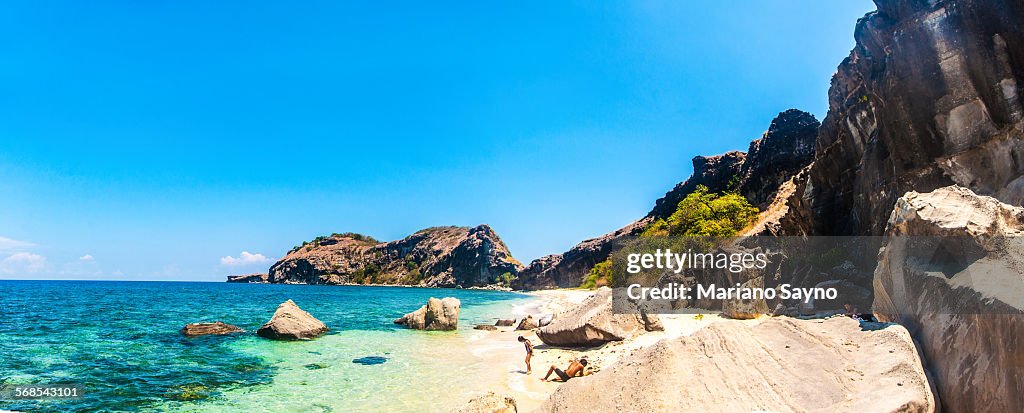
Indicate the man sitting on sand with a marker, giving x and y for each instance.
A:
(575, 369)
(529, 353)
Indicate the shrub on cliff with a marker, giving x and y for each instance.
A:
(706, 214)
(601, 275)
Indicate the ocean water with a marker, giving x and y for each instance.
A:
(120, 341)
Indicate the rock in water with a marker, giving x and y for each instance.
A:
(489, 403)
(486, 327)
(370, 360)
(527, 324)
(506, 322)
(952, 271)
(779, 365)
(291, 323)
(592, 323)
(202, 329)
(257, 278)
(435, 315)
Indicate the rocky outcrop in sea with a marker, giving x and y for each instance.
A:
(433, 257)
(290, 322)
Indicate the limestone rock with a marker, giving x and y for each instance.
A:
(952, 271)
(437, 314)
(780, 365)
(489, 403)
(291, 323)
(592, 323)
(215, 328)
(527, 323)
(433, 257)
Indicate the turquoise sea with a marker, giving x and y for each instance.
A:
(120, 341)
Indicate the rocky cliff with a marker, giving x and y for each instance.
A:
(929, 97)
(433, 257)
(770, 161)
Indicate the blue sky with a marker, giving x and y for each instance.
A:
(159, 140)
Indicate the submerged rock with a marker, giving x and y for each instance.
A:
(486, 327)
(435, 315)
(779, 365)
(215, 328)
(370, 360)
(489, 403)
(592, 323)
(291, 323)
(952, 271)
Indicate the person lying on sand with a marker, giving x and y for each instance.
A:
(529, 353)
(575, 369)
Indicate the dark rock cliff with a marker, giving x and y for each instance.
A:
(928, 97)
(434, 257)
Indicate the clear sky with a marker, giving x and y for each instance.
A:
(158, 140)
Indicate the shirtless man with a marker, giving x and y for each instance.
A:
(577, 368)
(529, 352)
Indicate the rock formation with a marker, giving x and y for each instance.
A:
(952, 272)
(291, 323)
(771, 161)
(508, 322)
(528, 323)
(486, 327)
(433, 257)
(436, 314)
(929, 96)
(781, 365)
(593, 323)
(257, 278)
(215, 328)
(489, 403)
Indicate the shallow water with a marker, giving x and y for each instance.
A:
(120, 341)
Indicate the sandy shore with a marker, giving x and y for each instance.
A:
(500, 348)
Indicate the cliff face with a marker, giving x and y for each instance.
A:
(434, 257)
(928, 97)
(785, 149)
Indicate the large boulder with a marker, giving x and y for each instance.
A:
(203, 329)
(593, 323)
(952, 271)
(779, 365)
(489, 403)
(291, 323)
(437, 314)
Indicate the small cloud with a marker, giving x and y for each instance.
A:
(22, 263)
(246, 258)
(7, 244)
(86, 257)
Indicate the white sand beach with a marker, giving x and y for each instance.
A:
(501, 349)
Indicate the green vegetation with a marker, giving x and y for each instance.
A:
(602, 274)
(309, 245)
(706, 214)
(506, 279)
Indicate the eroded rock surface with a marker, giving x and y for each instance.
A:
(291, 323)
(780, 365)
(952, 272)
(257, 278)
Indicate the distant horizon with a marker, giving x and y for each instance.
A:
(165, 142)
